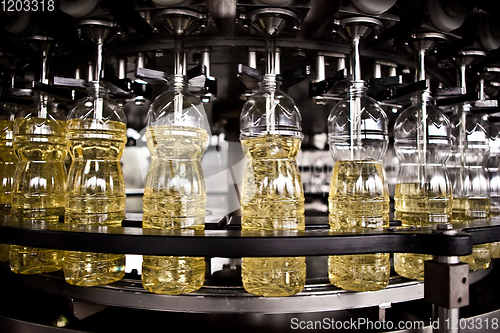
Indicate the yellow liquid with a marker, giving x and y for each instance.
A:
(469, 209)
(8, 164)
(459, 210)
(358, 201)
(96, 196)
(495, 250)
(174, 198)
(38, 192)
(480, 257)
(417, 207)
(272, 199)
(478, 208)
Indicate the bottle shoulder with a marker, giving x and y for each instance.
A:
(98, 108)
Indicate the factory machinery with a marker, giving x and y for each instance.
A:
(317, 48)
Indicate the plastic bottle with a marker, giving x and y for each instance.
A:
(174, 191)
(359, 195)
(423, 193)
(469, 180)
(8, 164)
(38, 190)
(95, 186)
(272, 196)
(494, 178)
(492, 168)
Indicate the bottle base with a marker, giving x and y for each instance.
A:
(367, 272)
(95, 219)
(479, 259)
(30, 260)
(410, 265)
(170, 275)
(48, 215)
(273, 277)
(88, 269)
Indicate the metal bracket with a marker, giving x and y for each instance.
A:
(450, 284)
(83, 309)
(338, 83)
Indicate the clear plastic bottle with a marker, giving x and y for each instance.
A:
(38, 189)
(8, 164)
(95, 187)
(423, 193)
(492, 168)
(359, 195)
(494, 178)
(469, 180)
(272, 196)
(174, 191)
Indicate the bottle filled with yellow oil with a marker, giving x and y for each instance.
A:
(423, 192)
(95, 188)
(38, 190)
(469, 179)
(359, 195)
(8, 165)
(272, 199)
(174, 190)
(272, 196)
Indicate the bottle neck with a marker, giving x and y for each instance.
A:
(96, 90)
(178, 83)
(425, 97)
(357, 89)
(269, 82)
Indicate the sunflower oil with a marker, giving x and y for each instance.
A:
(95, 196)
(416, 209)
(174, 199)
(272, 199)
(38, 191)
(359, 201)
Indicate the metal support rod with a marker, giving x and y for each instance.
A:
(393, 71)
(461, 76)
(78, 73)
(446, 317)
(340, 63)
(270, 56)
(422, 123)
(45, 68)
(122, 68)
(420, 66)
(481, 90)
(252, 59)
(205, 60)
(377, 70)
(44, 78)
(179, 58)
(90, 71)
(140, 60)
(462, 130)
(354, 59)
(277, 61)
(99, 59)
(320, 68)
